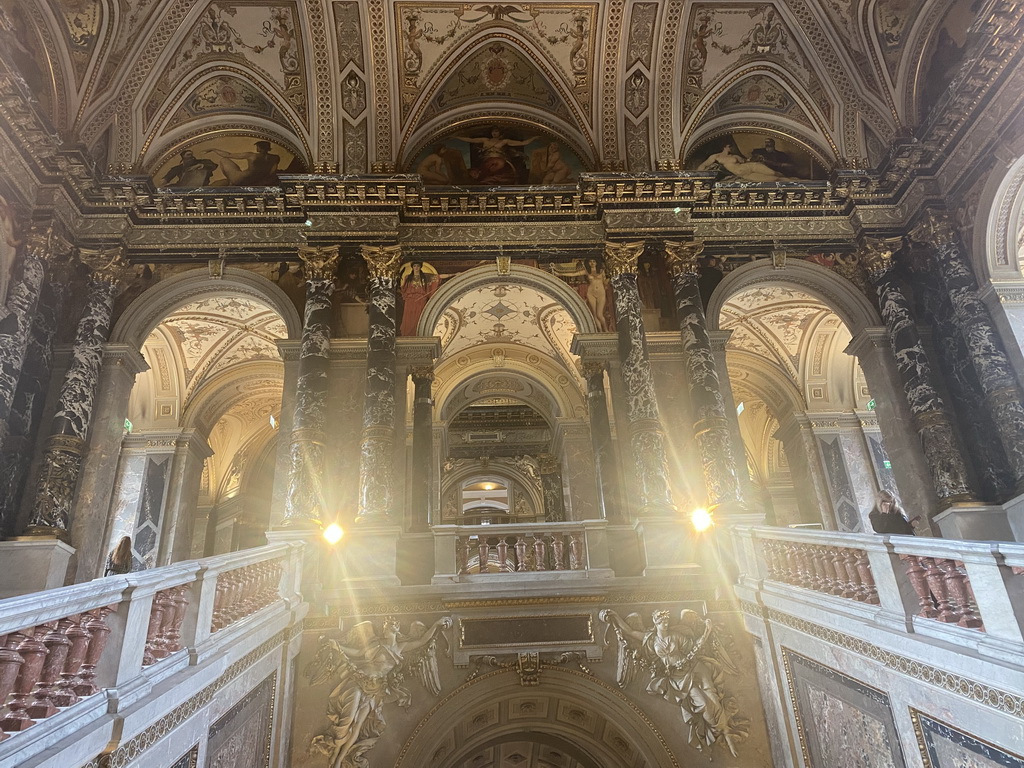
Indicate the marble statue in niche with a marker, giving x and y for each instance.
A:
(371, 669)
(688, 663)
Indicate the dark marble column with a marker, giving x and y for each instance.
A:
(40, 246)
(304, 501)
(646, 436)
(62, 457)
(601, 440)
(420, 494)
(376, 454)
(941, 447)
(1001, 390)
(551, 487)
(710, 427)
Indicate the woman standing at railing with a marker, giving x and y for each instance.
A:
(888, 516)
(120, 559)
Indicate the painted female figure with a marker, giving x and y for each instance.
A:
(417, 288)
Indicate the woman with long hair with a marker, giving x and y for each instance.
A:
(120, 558)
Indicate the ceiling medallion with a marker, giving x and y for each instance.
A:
(496, 70)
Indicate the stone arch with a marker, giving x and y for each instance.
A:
(627, 729)
(852, 306)
(998, 247)
(519, 275)
(149, 309)
(505, 471)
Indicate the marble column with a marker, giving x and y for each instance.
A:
(420, 494)
(376, 479)
(551, 486)
(40, 246)
(304, 502)
(710, 427)
(62, 457)
(608, 506)
(941, 447)
(1001, 390)
(646, 436)
(719, 341)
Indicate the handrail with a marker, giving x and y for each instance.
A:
(974, 585)
(64, 645)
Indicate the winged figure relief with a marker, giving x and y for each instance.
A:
(687, 664)
(370, 669)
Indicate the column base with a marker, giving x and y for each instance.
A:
(978, 522)
(667, 547)
(33, 564)
(366, 557)
(1015, 517)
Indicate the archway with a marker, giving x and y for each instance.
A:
(804, 407)
(592, 723)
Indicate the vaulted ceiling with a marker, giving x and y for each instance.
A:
(620, 84)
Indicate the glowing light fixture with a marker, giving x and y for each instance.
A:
(488, 487)
(701, 519)
(333, 533)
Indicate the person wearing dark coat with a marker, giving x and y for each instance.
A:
(888, 516)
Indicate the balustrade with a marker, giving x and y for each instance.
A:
(528, 551)
(833, 570)
(62, 646)
(973, 585)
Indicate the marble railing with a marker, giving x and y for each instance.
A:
(974, 585)
(62, 647)
(573, 549)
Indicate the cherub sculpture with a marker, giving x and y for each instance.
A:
(687, 663)
(371, 670)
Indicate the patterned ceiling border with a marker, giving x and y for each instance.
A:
(610, 76)
(381, 81)
(981, 693)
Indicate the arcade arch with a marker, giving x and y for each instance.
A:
(202, 416)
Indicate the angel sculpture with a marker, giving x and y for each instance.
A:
(371, 670)
(687, 663)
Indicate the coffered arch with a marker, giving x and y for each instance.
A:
(604, 728)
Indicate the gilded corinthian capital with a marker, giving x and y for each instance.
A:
(382, 260)
(936, 228)
(681, 258)
(319, 262)
(622, 258)
(107, 264)
(876, 255)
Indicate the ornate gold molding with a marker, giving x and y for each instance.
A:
(876, 253)
(107, 264)
(382, 260)
(681, 258)
(622, 258)
(319, 261)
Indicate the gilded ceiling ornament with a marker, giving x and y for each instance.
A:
(876, 254)
(107, 264)
(936, 228)
(681, 258)
(45, 243)
(622, 258)
(382, 260)
(319, 261)
(504, 264)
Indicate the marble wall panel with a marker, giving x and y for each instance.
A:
(943, 746)
(241, 737)
(837, 474)
(189, 760)
(146, 538)
(841, 721)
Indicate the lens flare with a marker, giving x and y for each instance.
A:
(701, 519)
(333, 533)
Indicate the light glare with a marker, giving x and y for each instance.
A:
(701, 519)
(333, 533)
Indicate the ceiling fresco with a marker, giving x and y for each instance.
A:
(507, 314)
(213, 335)
(378, 83)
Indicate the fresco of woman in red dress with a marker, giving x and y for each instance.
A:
(419, 283)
